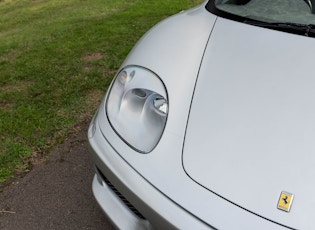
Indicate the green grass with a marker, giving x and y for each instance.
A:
(57, 58)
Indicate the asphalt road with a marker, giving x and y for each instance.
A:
(56, 194)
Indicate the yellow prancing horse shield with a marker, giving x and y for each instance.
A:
(285, 201)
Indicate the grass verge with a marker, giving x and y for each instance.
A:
(56, 60)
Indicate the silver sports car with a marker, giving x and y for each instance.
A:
(210, 121)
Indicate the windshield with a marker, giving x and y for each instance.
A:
(271, 11)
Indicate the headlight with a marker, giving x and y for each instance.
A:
(137, 107)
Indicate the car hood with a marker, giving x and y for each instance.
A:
(251, 129)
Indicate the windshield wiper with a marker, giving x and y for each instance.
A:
(302, 29)
(311, 3)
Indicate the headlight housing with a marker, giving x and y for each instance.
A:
(137, 107)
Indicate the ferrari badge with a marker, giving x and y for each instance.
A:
(285, 201)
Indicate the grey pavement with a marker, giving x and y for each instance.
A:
(56, 194)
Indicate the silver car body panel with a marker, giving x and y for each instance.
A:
(251, 129)
(158, 209)
(174, 50)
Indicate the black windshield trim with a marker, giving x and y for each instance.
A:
(213, 9)
(309, 29)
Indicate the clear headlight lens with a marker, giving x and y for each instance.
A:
(137, 107)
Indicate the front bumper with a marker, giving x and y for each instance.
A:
(127, 198)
